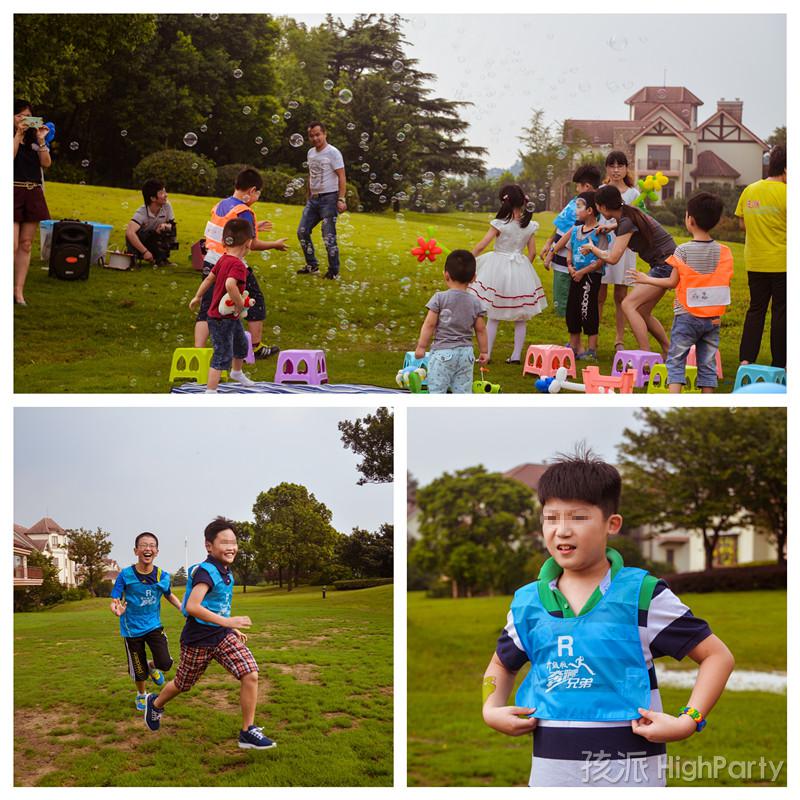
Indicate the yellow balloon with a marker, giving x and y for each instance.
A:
(648, 183)
(663, 180)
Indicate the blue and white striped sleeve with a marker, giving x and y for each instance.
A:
(672, 629)
(509, 647)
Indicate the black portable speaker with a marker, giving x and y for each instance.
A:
(71, 250)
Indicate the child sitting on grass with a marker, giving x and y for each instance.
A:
(452, 317)
(211, 632)
(591, 628)
(701, 276)
(586, 272)
(229, 275)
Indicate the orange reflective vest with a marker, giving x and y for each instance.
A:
(706, 295)
(214, 227)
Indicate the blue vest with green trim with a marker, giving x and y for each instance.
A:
(218, 599)
(143, 611)
(588, 668)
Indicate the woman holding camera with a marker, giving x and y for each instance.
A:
(31, 156)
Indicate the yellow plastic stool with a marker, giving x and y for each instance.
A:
(192, 364)
(658, 380)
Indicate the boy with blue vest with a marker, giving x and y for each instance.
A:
(591, 628)
(211, 632)
(136, 600)
(702, 271)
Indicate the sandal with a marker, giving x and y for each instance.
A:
(619, 346)
(587, 355)
(510, 360)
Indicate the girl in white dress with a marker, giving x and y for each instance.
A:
(617, 175)
(506, 283)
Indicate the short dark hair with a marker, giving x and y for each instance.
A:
(777, 161)
(249, 179)
(150, 188)
(460, 266)
(217, 525)
(588, 173)
(20, 105)
(236, 232)
(589, 200)
(145, 533)
(705, 209)
(582, 476)
(317, 124)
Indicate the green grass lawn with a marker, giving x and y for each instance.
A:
(450, 643)
(116, 332)
(325, 695)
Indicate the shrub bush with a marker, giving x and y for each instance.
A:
(665, 217)
(729, 579)
(64, 172)
(226, 178)
(276, 182)
(728, 230)
(178, 171)
(361, 583)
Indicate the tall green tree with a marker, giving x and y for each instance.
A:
(179, 577)
(372, 438)
(293, 533)
(476, 529)
(245, 567)
(367, 554)
(682, 471)
(88, 549)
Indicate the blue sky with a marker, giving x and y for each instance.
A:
(171, 471)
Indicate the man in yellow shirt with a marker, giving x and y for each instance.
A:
(762, 214)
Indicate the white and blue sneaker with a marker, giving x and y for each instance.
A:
(152, 715)
(141, 701)
(254, 739)
(156, 675)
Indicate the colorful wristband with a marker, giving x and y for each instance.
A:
(695, 715)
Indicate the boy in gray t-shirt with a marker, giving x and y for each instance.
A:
(452, 317)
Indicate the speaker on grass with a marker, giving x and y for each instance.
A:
(71, 250)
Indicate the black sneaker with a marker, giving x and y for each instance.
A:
(266, 350)
(253, 739)
(331, 276)
(152, 715)
(308, 270)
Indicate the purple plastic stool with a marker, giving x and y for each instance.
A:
(250, 358)
(640, 360)
(301, 366)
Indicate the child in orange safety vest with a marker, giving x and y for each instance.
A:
(701, 276)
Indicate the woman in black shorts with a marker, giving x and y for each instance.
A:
(31, 155)
(645, 236)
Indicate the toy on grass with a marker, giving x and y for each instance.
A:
(558, 383)
(596, 383)
(428, 248)
(483, 386)
(228, 307)
(650, 188)
(411, 378)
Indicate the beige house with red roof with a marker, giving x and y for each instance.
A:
(25, 575)
(662, 134)
(50, 538)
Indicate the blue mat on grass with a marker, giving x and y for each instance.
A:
(264, 387)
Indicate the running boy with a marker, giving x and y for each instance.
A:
(586, 272)
(701, 276)
(228, 276)
(136, 600)
(586, 179)
(211, 632)
(591, 698)
(239, 205)
(452, 317)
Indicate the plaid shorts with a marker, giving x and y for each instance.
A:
(232, 654)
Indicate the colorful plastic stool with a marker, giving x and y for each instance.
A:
(758, 373)
(691, 360)
(596, 383)
(250, 358)
(301, 366)
(545, 359)
(642, 361)
(191, 364)
(413, 362)
(659, 384)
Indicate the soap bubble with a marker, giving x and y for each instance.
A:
(123, 133)
(407, 127)
(364, 137)
(213, 17)
(397, 65)
(203, 128)
(264, 151)
(361, 362)
(542, 197)
(396, 87)
(237, 73)
(401, 137)
(429, 177)
(259, 140)
(293, 104)
(530, 207)
(328, 85)
(617, 43)
(562, 153)
(276, 330)
(331, 334)
(296, 140)
(73, 145)
(365, 167)
(195, 165)
(85, 162)
(190, 139)
(351, 126)
(345, 96)
(246, 110)
(275, 119)
(287, 114)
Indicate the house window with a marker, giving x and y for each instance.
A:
(687, 189)
(54, 541)
(689, 155)
(668, 191)
(658, 156)
(670, 554)
(726, 551)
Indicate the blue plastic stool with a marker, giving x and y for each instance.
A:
(758, 373)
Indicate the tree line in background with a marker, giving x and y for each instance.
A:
(704, 471)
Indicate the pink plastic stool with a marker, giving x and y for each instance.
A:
(691, 360)
(250, 358)
(640, 360)
(301, 366)
(545, 359)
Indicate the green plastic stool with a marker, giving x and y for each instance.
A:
(191, 364)
(658, 380)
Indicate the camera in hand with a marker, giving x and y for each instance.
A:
(167, 240)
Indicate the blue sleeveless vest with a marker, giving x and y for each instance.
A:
(579, 261)
(588, 668)
(218, 599)
(143, 612)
